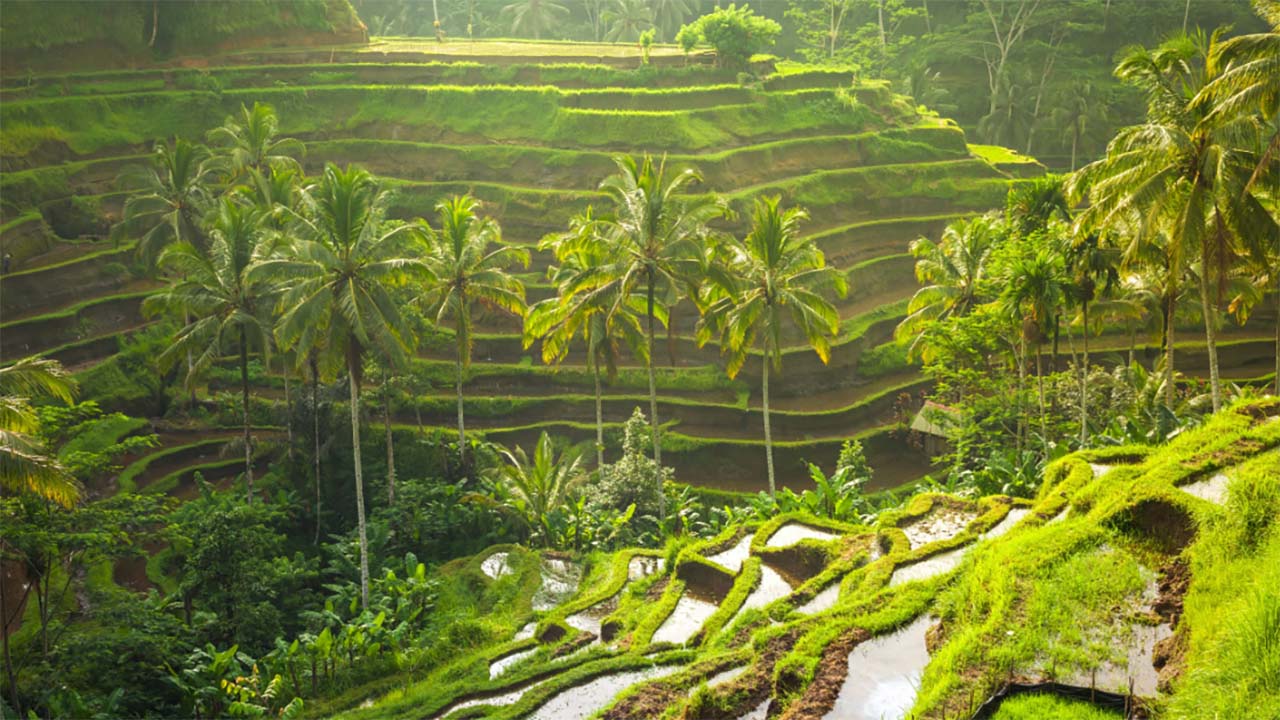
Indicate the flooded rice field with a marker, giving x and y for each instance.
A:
(560, 580)
(504, 663)
(733, 558)
(1013, 517)
(587, 699)
(592, 618)
(772, 587)
(929, 567)
(689, 615)
(726, 676)
(940, 524)
(792, 533)
(644, 566)
(1213, 489)
(496, 565)
(1138, 665)
(823, 600)
(884, 673)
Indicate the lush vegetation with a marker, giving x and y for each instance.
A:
(287, 535)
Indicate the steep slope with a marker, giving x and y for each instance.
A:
(1127, 567)
(532, 141)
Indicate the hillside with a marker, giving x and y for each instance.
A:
(1150, 566)
(74, 34)
(258, 270)
(532, 141)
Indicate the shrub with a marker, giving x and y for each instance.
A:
(634, 479)
(735, 32)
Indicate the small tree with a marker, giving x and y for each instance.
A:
(735, 32)
(646, 44)
(688, 39)
(635, 479)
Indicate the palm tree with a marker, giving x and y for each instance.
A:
(173, 193)
(169, 196)
(1082, 109)
(1093, 267)
(538, 488)
(25, 465)
(339, 273)
(463, 269)
(532, 17)
(1159, 278)
(627, 19)
(251, 143)
(1245, 72)
(224, 301)
(592, 313)
(172, 196)
(1033, 293)
(1184, 170)
(656, 236)
(1262, 274)
(668, 16)
(951, 273)
(770, 274)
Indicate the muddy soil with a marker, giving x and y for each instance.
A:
(755, 684)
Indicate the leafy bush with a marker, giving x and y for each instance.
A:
(735, 32)
(635, 479)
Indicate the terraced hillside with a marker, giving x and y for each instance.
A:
(531, 140)
(1134, 574)
(531, 137)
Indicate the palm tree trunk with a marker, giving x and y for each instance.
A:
(1208, 306)
(288, 408)
(355, 454)
(244, 408)
(462, 430)
(768, 434)
(391, 446)
(8, 659)
(595, 366)
(880, 19)
(1044, 416)
(191, 363)
(1084, 382)
(315, 431)
(1022, 391)
(1169, 388)
(155, 22)
(653, 408)
(1075, 141)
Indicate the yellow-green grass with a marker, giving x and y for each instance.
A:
(1050, 707)
(1046, 587)
(127, 480)
(569, 75)
(533, 114)
(1043, 598)
(1000, 155)
(513, 47)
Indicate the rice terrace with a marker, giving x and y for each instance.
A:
(609, 359)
